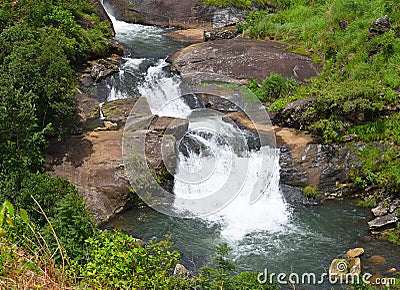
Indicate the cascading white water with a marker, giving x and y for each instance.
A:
(202, 174)
(226, 164)
(163, 92)
(160, 88)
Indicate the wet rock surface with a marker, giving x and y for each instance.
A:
(117, 111)
(103, 69)
(187, 14)
(304, 162)
(383, 222)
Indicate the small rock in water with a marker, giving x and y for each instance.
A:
(353, 253)
(103, 69)
(181, 271)
(383, 221)
(355, 266)
(376, 260)
(391, 271)
(338, 268)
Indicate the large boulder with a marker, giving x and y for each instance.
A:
(292, 114)
(303, 162)
(118, 110)
(93, 163)
(186, 14)
(242, 59)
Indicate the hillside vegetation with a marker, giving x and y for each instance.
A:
(358, 89)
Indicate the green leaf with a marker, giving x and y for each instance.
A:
(24, 215)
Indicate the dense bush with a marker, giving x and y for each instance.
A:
(220, 275)
(118, 261)
(41, 46)
(358, 89)
(273, 87)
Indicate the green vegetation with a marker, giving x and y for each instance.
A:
(236, 3)
(41, 45)
(273, 87)
(357, 91)
(368, 203)
(380, 157)
(310, 191)
(33, 257)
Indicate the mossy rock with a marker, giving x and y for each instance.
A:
(117, 111)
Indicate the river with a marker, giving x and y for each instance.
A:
(267, 234)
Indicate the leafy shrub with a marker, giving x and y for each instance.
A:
(118, 261)
(310, 191)
(73, 225)
(25, 258)
(273, 87)
(369, 203)
(47, 191)
(236, 3)
(53, 204)
(249, 281)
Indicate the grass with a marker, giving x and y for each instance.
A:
(357, 91)
(20, 269)
(368, 203)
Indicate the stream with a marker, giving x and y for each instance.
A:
(267, 234)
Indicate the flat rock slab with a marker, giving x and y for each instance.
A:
(383, 221)
(353, 253)
(243, 59)
(188, 35)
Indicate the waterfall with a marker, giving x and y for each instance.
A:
(226, 170)
(163, 92)
(218, 178)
